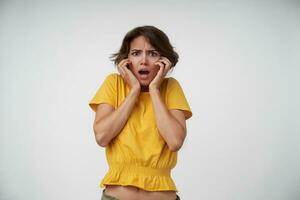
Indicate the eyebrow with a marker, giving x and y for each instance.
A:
(141, 50)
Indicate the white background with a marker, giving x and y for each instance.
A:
(239, 65)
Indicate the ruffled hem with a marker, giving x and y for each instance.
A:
(150, 179)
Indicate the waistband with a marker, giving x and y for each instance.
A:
(138, 169)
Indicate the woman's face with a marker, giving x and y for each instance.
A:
(143, 58)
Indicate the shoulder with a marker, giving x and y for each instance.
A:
(171, 82)
(113, 78)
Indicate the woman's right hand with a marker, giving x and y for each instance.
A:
(127, 75)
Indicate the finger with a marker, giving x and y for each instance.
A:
(159, 73)
(121, 63)
(166, 62)
(160, 64)
(165, 58)
(128, 62)
(162, 69)
(168, 65)
(126, 66)
(121, 71)
(125, 69)
(166, 68)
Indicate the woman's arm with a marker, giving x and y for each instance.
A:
(109, 121)
(171, 124)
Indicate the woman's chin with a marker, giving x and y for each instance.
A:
(144, 83)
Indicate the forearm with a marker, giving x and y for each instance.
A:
(110, 126)
(168, 126)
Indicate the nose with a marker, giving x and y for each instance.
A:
(144, 59)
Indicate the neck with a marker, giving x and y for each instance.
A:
(144, 88)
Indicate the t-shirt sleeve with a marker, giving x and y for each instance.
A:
(106, 93)
(175, 98)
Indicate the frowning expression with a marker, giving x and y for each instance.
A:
(143, 58)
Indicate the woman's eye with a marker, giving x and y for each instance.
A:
(154, 54)
(134, 53)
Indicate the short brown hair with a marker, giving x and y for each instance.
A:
(157, 38)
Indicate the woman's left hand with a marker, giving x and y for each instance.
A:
(165, 66)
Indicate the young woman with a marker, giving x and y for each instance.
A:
(140, 118)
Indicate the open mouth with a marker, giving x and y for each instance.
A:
(144, 74)
(144, 71)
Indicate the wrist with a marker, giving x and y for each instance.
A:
(135, 91)
(153, 90)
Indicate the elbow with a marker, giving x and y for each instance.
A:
(175, 147)
(177, 143)
(100, 139)
(101, 142)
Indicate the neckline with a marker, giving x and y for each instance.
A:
(141, 93)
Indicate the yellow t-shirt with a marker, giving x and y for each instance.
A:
(139, 156)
